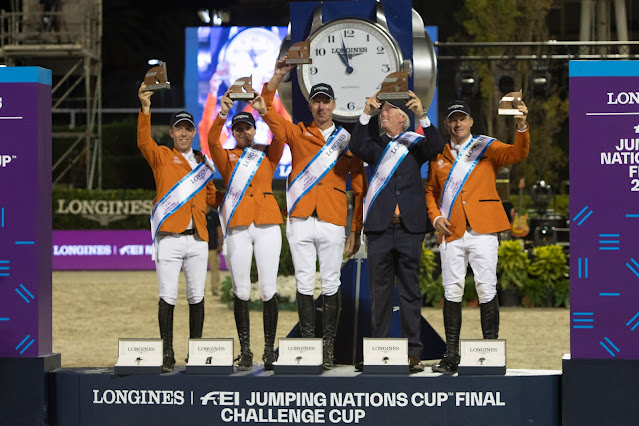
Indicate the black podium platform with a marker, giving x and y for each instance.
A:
(97, 397)
(599, 391)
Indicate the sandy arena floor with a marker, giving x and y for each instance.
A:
(91, 310)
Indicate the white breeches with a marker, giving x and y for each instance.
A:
(480, 250)
(266, 241)
(187, 252)
(310, 238)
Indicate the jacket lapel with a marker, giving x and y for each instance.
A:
(447, 153)
(185, 164)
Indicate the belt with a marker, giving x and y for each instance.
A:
(314, 214)
(396, 220)
(188, 232)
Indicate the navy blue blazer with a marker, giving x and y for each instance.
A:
(405, 187)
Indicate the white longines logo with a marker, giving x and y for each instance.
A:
(221, 398)
(6, 159)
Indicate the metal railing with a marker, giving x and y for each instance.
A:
(49, 28)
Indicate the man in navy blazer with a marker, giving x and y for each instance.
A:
(395, 213)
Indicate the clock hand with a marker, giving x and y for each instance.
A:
(252, 56)
(349, 69)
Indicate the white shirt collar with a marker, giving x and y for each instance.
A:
(455, 147)
(328, 132)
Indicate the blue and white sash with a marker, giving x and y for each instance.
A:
(181, 192)
(391, 158)
(463, 166)
(241, 178)
(317, 168)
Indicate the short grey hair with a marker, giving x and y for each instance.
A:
(407, 121)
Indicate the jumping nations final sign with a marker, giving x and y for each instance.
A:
(604, 209)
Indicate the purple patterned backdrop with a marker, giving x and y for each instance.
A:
(25, 211)
(604, 209)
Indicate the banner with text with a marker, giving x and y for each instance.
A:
(604, 209)
(104, 250)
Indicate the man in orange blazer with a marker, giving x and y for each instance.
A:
(182, 237)
(467, 212)
(317, 214)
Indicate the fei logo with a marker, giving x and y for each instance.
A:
(221, 398)
(6, 159)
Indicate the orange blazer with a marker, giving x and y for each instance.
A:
(478, 201)
(258, 204)
(328, 196)
(169, 166)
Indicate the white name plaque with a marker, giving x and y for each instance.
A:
(385, 355)
(210, 356)
(299, 356)
(139, 356)
(480, 356)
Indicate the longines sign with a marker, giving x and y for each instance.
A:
(104, 211)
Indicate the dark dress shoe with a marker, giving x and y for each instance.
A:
(414, 364)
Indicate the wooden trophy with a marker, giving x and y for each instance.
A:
(156, 78)
(394, 86)
(509, 103)
(242, 89)
(299, 53)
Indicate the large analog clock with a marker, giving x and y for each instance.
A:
(353, 56)
(251, 52)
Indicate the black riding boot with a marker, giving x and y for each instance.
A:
(490, 318)
(196, 321)
(452, 325)
(269, 315)
(165, 319)
(331, 306)
(242, 322)
(306, 313)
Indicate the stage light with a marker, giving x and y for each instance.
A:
(540, 81)
(153, 62)
(466, 83)
(204, 15)
(219, 17)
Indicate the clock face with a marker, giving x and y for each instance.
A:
(251, 52)
(354, 57)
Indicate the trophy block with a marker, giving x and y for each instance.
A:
(156, 79)
(242, 89)
(509, 103)
(394, 86)
(299, 53)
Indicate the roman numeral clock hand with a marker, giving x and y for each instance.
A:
(344, 57)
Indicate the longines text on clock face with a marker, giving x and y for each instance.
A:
(352, 56)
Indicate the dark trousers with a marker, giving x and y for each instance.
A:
(395, 253)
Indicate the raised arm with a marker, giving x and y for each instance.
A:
(432, 144)
(275, 149)
(362, 144)
(505, 154)
(219, 155)
(281, 70)
(149, 148)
